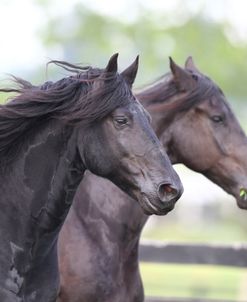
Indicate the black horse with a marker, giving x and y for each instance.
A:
(99, 249)
(49, 135)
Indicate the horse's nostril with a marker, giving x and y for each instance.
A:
(167, 192)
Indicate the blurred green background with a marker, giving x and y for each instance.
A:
(214, 32)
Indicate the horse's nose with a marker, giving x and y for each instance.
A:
(168, 192)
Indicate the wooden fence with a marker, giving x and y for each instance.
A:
(208, 254)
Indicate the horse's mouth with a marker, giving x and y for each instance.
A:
(242, 198)
(149, 208)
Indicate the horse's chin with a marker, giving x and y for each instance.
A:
(240, 195)
(242, 202)
(149, 208)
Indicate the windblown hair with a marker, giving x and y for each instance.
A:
(163, 94)
(85, 97)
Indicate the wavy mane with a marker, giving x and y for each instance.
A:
(163, 94)
(85, 97)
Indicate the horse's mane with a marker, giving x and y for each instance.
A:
(87, 96)
(163, 95)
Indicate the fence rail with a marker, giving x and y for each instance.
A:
(207, 254)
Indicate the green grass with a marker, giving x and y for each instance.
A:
(212, 282)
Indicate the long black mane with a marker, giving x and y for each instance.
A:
(163, 93)
(87, 96)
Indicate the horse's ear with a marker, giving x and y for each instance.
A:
(130, 72)
(182, 78)
(111, 68)
(189, 64)
(112, 65)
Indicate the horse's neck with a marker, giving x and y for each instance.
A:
(36, 194)
(99, 198)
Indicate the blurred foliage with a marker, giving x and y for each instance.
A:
(84, 35)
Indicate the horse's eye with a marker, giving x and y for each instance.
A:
(121, 121)
(195, 77)
(217, 118)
